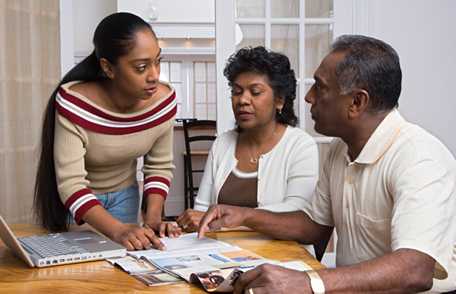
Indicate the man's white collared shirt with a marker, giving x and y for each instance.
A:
(400, 192)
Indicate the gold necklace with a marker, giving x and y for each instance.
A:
(254, 159)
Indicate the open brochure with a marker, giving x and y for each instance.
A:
(144, 271)
(213, 264)
(185, 265)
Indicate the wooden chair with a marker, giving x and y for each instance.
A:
(195, 132)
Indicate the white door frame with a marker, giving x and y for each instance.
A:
(224, 47)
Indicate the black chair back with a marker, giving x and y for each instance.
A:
(195, 131)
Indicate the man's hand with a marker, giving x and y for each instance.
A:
(134, 237)
(219, 216)
(190, 220)
(269, 278)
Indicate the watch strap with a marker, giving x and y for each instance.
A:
(316, 283)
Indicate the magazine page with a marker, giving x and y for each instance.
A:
(144, 271)
(217, 280)
(132, 265)
(222, 280)
(184, 264)
(213, 269)
(244, 258)
(157, 278)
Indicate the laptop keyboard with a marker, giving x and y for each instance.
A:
(49, 246)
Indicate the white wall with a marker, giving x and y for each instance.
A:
(88, 13)
(422, 32)
(66, 36)
(172, 10)
(86, 16)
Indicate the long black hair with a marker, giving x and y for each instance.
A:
(113, 37)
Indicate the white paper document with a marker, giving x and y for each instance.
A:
(187, 243)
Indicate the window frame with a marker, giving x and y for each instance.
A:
(188, 100)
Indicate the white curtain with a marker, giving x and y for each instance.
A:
(29, 70)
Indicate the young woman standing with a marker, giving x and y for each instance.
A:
(106, 112)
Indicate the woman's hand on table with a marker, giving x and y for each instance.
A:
(190, 220)
(134, 237)
(164, 228)
(219, 216)
(152, 218)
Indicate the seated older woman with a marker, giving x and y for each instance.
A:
(266, 162)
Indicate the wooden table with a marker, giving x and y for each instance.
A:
(101, 276)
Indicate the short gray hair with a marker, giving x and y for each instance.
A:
(372, 65)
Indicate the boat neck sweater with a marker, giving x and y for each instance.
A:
(96, 150)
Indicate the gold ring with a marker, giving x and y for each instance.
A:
(251, 291)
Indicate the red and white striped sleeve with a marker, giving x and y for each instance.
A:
(80, 202)
(157, 185)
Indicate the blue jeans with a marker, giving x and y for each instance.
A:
(123, 204)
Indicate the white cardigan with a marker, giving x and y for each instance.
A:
(287, 174)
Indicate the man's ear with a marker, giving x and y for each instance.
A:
(107, 68)
(359, 104)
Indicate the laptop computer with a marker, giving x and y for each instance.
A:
(60, 248)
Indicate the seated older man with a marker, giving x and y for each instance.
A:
(388, 187)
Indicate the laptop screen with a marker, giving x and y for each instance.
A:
(11, 241)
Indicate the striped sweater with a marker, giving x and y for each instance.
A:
(95, 150)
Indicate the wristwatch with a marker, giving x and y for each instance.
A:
(316, 283)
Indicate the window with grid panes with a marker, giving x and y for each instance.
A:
(171, 72)
(194, 81)
(300, 29)
(204, 102)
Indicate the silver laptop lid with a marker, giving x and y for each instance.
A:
(11, 241)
